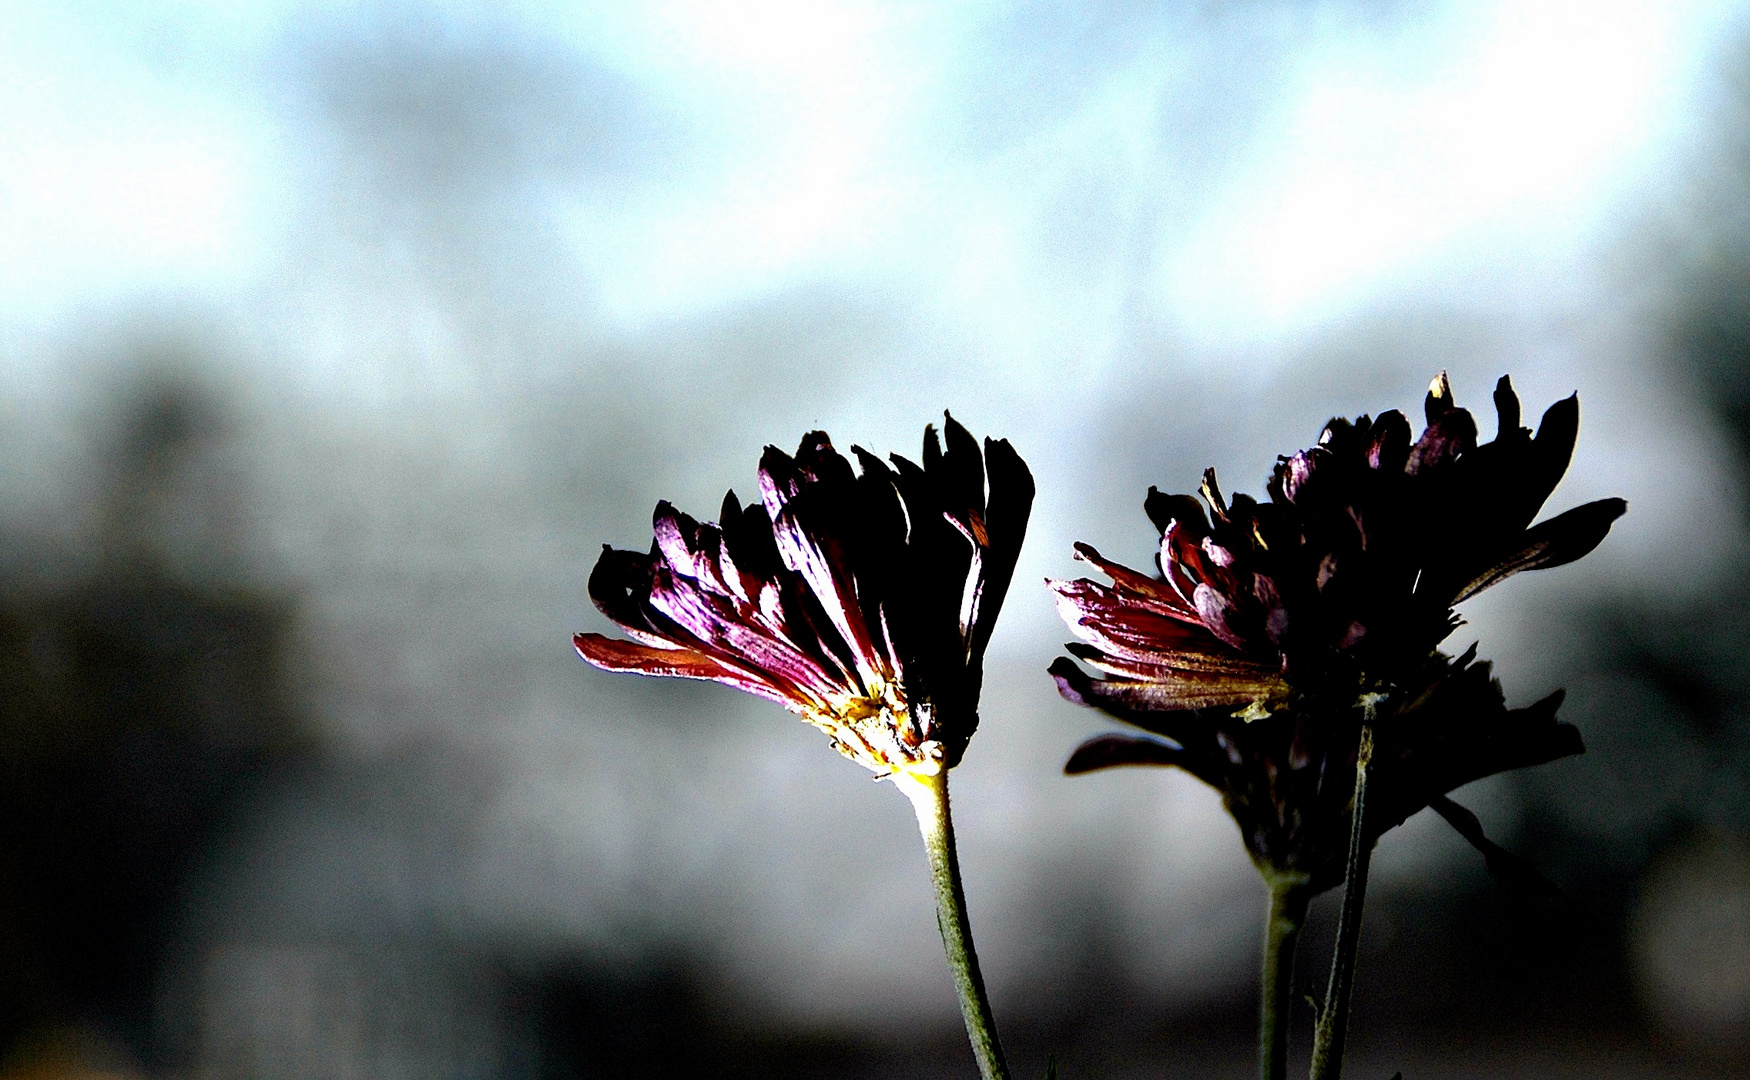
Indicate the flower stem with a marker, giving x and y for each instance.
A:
(1289, 896)
(929, 797)
(1333, 1026)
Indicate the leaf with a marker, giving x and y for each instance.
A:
(1503, 864)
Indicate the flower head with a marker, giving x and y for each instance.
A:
(1287, 778)
(861, 602)
(1272, 623)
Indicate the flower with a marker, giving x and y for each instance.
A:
(1274, 623)
(862, 603)
(1287, 778)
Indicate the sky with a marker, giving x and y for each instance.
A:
(1233, 172)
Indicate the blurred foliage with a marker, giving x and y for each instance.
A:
(662, 1022)
(136, 705)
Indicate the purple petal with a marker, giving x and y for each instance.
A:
(689, 547)
(1294, 474)
(1181, 559)
(1389, 447)
(674, 534)
(1275, 612)
(780, 480)
(1138, 700)
(611, 655)
(1129, 626)
(1147, 590)
(1217, 612)
(1450, 434)
(818, 463)
(619, 587)
(723, 631)
(831, 585)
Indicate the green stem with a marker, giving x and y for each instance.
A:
(1289, 896)
(929, 797)
(1333, 1026)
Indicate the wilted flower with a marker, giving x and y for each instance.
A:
(1273, 623)
(1287, 777)
(862, 603)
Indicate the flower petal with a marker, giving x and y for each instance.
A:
(1556, 434)
(960, 477)
(1218, 613)
(1181, 558)
(1008, 507)
(1109, 751)
(783, 478)
(1134, 700)
(1151, 593)
(1447, 435)
(1294, 473)
(1556, 542)
(1164, 510)
(1503, 864)
(726, 635)
(1439, 400)
(689, 547)
(610, 654)
(779, 479)
(821, 563)
(1389, 448)
(1129, 625)
(748, 544)
(1506, 409)
(619, 586)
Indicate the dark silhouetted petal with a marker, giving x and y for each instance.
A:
(1506, 409)
(1164, 510)
(1439, 400)
(963, 471)
(1501, 862)
(1389, 448)
(1009, 505)
(1109, 751)
(1453, 433)
(1556, 542)
(1554, 443)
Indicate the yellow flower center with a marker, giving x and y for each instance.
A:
(881, 732)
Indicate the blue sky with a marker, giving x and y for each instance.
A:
(1031, 170)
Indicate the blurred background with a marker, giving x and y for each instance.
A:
(336, 338)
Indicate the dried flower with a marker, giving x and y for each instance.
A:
(1273, 623)
(862, 603)
(1287, 778)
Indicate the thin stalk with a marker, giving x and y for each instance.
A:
(1333, 1026)
(1287, 911)
(929, 797)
